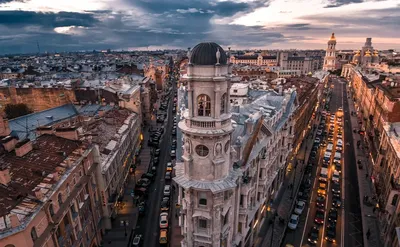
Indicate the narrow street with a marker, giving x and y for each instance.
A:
(349, 225)
(148, 225)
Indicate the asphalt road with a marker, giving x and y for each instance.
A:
(148, 225)
(299, 237)
(353, 235)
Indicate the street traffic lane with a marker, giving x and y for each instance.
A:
(149, 223)
(353, 235)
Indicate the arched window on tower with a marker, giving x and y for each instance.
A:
(223, 104)
(204, 105)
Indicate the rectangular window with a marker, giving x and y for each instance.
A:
(241, 200)
(240, 227)
(202, 198)
(226, 195)
(226, 217)
(202, 223)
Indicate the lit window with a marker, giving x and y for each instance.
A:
(202, 150)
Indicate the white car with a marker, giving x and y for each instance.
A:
(299, 207)
(164, 220)
(173, 153)
(167, 190)
(294, 220)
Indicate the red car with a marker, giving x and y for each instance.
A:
(319, 216)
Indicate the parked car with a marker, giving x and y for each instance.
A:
(173, 153)
(167, 190)
(163, 236)
(169, 167)
(143, 182)
(168, 176)
(157, 152)
(148, 176)
(164, 206)
(293, 222)
(164, 220)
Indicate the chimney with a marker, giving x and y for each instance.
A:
(70, 133)
(280, 90)
(56, 176)
(4, 127)
(101, 113)
(14, 220)
(44, 130)
(9, 143)
(249, 125)
(5, 176)
(23, 147)
(38, 193)
(68, 162)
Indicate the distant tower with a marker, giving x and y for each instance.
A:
(330, 57)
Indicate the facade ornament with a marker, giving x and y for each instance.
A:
(218, 149)
(189, 54)
(217, 212)
(218, 55)
(188, 147)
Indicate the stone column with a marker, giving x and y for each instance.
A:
(190, 101)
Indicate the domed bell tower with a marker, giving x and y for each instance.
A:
(206, 181)
(207, 122)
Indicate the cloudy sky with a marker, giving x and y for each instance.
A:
(72, 25)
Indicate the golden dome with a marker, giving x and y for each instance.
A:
(367, 53)
(333, 37)
(358, 53)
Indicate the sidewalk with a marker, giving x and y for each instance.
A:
(120, 235)
(369, 218)
(283, 203)
(175, 229)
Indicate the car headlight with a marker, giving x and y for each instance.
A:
(334, 240)
(326, 238)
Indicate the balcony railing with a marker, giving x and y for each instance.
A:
(202, 124)
(210, 124)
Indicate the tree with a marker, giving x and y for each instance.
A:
(16, 110)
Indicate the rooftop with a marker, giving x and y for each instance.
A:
(105, 130)
(34, 170)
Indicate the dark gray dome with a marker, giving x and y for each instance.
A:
(205, 54)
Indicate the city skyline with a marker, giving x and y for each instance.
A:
(156, 24)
